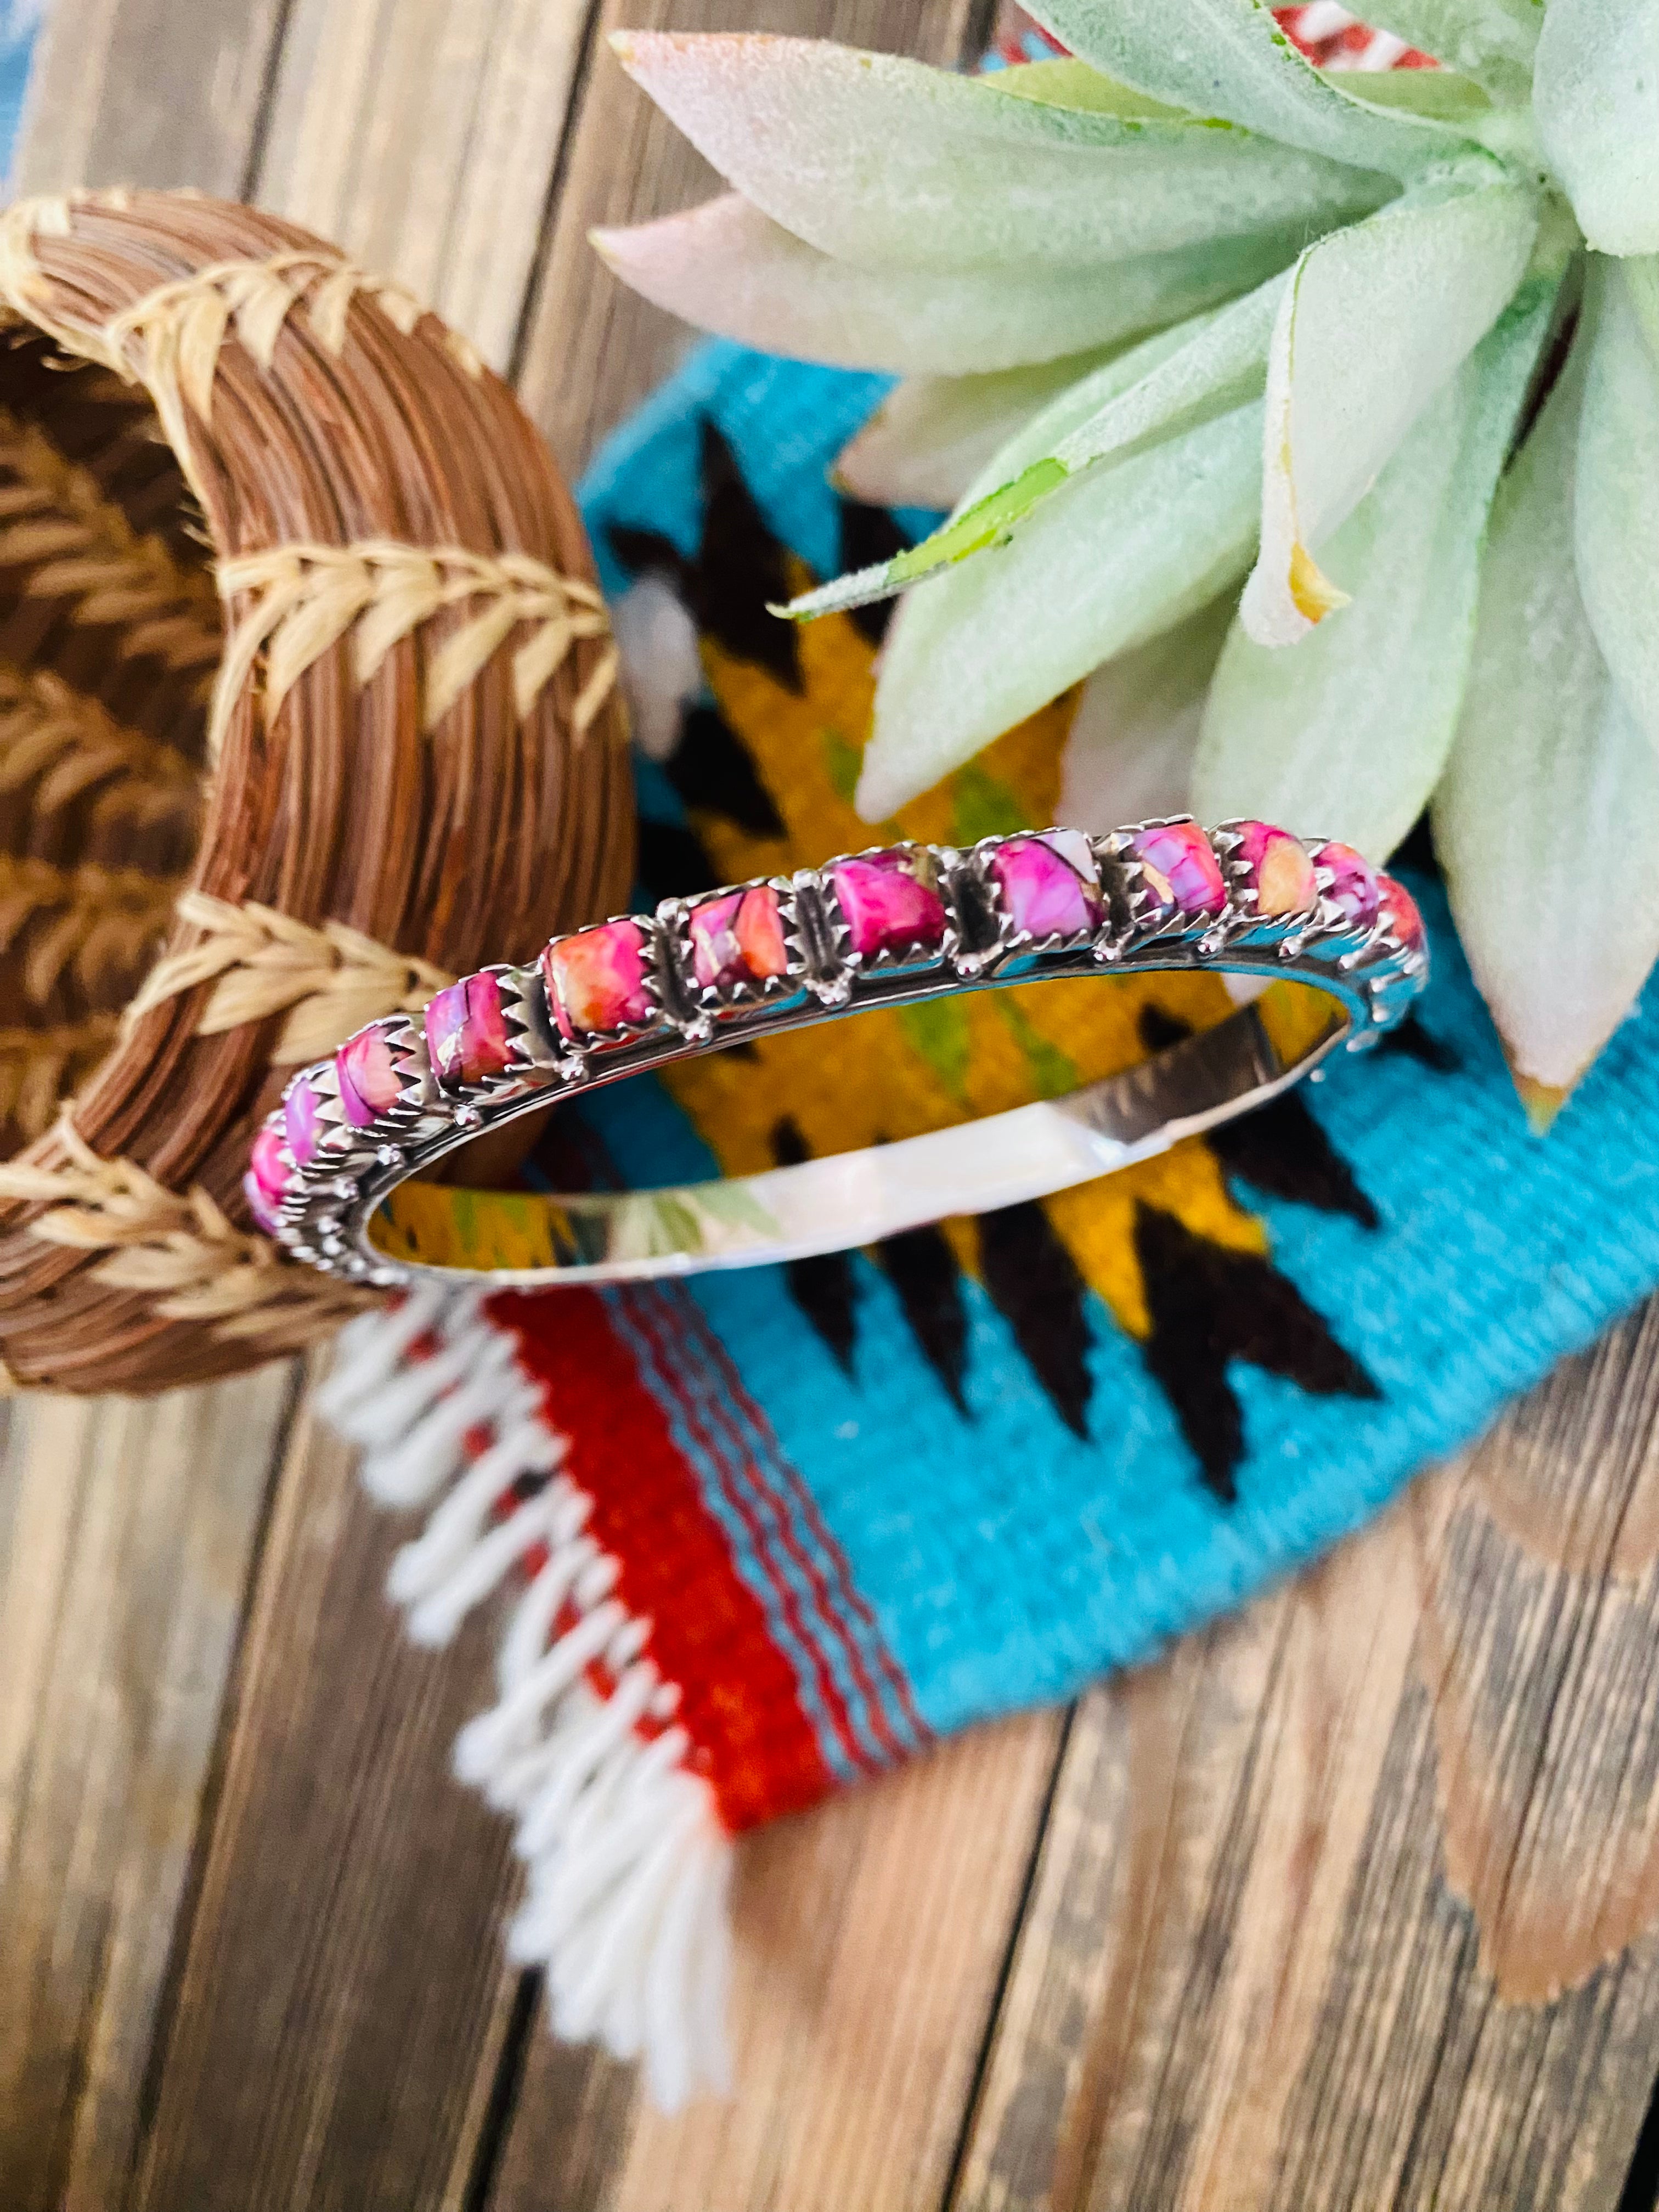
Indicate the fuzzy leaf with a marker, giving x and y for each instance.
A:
(1229, 58)
(1069, 83)
(1547, 819)
(1616, 512)
(1595, 98)
(890, 164)
(1117, 556)
(932, 435)
(1485, 39)
(726, 266)
(1346, 733)
(1142, 396)
(1129, 749)
(1374, 320)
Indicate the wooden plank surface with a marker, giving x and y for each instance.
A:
(340, 1970)
(147, 92)
(1349, 1902)
(871, 1939)
(422, 135)
(126, 1533)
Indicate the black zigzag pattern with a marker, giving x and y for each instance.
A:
(1209, 1305)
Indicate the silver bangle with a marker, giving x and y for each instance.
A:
(333, 1169)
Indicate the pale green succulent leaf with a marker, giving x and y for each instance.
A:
(1483, 39)
(1616, 506)
(1117, 556)
(1220, 364)
(932, 435)
(1443, 96)
(1547, 818)
(1640, 279)
(1595, 98)
(890, 164)
(1071, 83)
(1346, 733)
(727, 267)
(1130, 747)
(1230, 60)
(1374, 320)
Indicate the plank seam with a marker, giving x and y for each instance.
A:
(496, 2125)
(982, 2056)
(265, 108)
(575, 109)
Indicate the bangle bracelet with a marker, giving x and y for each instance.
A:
(333, 1170)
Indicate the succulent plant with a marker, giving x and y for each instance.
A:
(1185, 312)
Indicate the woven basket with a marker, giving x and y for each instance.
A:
(307, 702)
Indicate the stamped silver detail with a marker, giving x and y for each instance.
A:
(894, 925)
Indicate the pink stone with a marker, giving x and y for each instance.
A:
(466, 1031)
(265, 1214)
(890, 903)
(1280, 870)
(302, 1119)
(1181, 870)
(266, 1164)
(368, 1078)
(1354, 889)
(596, 979)
(738, 938)
(1400, 912)
(265, 1184)
(1048, 884)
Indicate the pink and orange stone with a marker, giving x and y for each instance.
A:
(890, 903)
(368, 1077)
(1180, 868)
(265, 1184)
(596, 979)
(738, 938)
(1278, 870)
(1400, 912)
(1354, 890)
(1048, 884)
(466, 1031)
(302, 1119)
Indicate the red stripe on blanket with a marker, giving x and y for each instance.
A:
(839, 1602)
(752, 1740)
(653, 1320)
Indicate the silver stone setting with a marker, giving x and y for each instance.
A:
(974, 940)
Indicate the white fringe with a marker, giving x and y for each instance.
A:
(626, 1902)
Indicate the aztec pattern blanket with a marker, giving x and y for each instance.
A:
(776, 1529)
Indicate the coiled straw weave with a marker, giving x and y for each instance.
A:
(308, 702)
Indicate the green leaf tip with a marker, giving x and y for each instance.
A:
(985, 523)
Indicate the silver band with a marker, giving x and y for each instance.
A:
(891, 926)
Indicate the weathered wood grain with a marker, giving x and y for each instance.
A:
(341, 1965)
(1352, 1901)
(126, 1532)
(147, 92)
(871, 1936)
(423, 136)
(592, 349)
